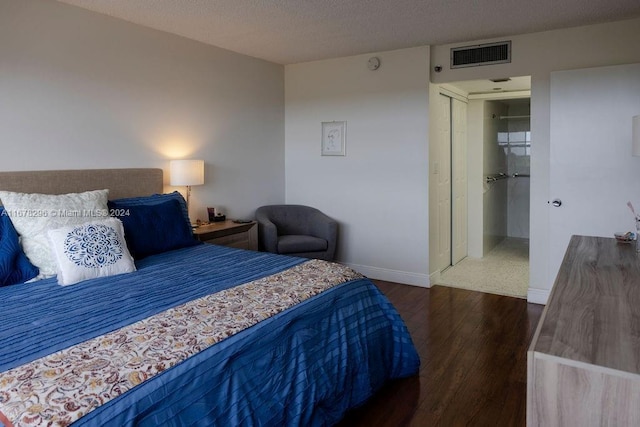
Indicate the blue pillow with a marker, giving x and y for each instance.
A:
(153, 200)
(153, 229)
(15, 267)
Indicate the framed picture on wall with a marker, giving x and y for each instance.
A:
(334, 138)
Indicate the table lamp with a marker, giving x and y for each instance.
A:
(186, 173)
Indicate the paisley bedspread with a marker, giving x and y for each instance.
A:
(68, 385)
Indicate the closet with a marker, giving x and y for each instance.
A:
(448, 184)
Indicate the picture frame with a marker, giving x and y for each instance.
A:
(334, 138)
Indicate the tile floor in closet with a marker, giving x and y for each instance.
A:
(503, 271)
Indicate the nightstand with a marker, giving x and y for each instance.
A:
(229, 233)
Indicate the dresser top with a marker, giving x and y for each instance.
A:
(593, 313)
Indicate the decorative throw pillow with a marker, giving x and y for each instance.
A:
(153, 229)
(154, 199)
(35, 214)
(90, 250)
(14, 264)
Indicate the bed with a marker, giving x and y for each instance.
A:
(200, 335)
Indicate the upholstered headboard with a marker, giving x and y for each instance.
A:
(120, 182)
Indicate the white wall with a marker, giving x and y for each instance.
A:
(83, 90)
(539, 54)
(379, 191)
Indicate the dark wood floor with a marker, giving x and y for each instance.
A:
(473, 369)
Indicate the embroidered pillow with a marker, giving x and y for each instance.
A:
(14, 264)
(90, 250)
(35, 214)
(153, 229)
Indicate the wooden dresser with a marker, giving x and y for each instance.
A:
(584, 359)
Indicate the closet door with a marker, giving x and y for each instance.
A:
(442, 172)
(458, 180)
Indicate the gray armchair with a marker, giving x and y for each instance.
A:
(297, 230)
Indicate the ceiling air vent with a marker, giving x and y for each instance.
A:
(481, 54)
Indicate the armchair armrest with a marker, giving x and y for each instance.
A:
(321, 225)
(325, 227)
(267, 233)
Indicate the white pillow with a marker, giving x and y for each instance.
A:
(90, 250)
(34, 214)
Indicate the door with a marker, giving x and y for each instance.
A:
(592, 173)
(458, 180)
(442, 175)
(450, 170)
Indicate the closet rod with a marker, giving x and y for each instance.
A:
(514, 117)
(498, 176)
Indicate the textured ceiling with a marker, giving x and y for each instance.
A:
(291, 31)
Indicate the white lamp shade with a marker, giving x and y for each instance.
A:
(635, 135)
(186, 172)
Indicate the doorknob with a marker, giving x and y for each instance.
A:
(557, 203)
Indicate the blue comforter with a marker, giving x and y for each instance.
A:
(304, 366)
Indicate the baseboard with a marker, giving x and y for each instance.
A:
(538, 296)
(388, 275)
